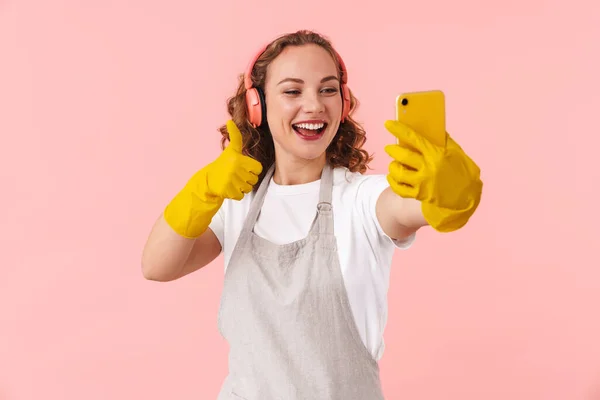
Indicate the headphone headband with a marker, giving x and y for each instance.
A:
(248, 74)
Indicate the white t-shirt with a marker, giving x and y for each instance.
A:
(365, 251)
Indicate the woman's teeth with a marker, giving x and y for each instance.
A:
(312, 127)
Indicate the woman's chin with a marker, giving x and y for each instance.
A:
(301, 149)
(309, 155)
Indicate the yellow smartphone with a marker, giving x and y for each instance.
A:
(425, 113)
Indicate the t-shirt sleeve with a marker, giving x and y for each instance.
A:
(217, 225)
(369, 189)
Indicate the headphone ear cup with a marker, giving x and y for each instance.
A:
(346, 100)
(263, 107)
(254, 107)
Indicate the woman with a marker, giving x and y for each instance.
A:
(307, 238)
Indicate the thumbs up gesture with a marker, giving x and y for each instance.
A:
(230, 176)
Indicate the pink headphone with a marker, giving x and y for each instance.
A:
(255, 98)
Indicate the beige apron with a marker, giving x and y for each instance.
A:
(286, 316)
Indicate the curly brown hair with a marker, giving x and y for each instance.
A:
(345, 150)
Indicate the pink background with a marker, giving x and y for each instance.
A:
(104, 108)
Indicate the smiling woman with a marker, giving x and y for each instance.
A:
(307, 238)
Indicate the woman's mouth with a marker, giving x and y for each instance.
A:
(310, 131)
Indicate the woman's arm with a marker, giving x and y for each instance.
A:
(399, 217)
(181, 240)
(168, 256)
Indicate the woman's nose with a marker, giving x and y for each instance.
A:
(313, 103)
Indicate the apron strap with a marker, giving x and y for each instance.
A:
(324, 207)
(258, 201)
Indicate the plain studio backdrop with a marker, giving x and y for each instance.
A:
(107, 108)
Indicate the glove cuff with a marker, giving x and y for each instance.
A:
(449, 220)
(190, 212)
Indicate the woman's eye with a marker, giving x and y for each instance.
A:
(294, 92)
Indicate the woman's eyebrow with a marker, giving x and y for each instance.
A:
(296, 80)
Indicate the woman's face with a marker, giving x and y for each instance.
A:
(303, 101)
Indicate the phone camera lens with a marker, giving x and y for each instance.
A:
(404, 102)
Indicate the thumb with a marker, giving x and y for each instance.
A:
(235, 136)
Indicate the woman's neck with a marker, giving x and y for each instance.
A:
(296, 172)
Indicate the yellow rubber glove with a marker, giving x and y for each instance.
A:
(231, 176)
(444, 179)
